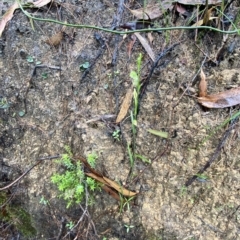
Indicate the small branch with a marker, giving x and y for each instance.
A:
(214, 156)
(49, 157)
(155, 64)
(19, 178)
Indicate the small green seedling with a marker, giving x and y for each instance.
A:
(21, 113)
(4, 103)
(70, 225)
(183, 191)
(84, 66)
(116, 134)
(43, 201)
(44, 75)
(202, 177)
(30, 59)
(128, 227)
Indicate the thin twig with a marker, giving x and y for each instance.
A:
(19, 178)
(214, 156)
(155, 64)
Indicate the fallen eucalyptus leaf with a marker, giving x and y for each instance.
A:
(198, 2)
(224, 99)
(201, 22)
(125, 106)
(41, 3)
(119, 188)
(146, 46)
(152, 11)
(7, 17)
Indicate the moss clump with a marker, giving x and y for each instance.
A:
(17, 216)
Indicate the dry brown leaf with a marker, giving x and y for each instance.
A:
(146, 46)
(106, 187)
(152, 11)
(221, 100)
(41, 3)
(119, 188)
(199, 2)
(7, 17)
(98, 178)
(179, 8)
(201, 22)
(111, 192)
(202, 85)
(125, 106)
(112, 184)
(207, 15)
(55, 39)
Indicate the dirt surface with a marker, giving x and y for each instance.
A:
(54, 105)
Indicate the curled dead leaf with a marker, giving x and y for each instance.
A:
(224, 99)
(146, 46)
(207, 15)
(152, 11)
(202, 85)
(112, 184)
(119, 188)
(201, 22)
(41, 3)
(7, 17)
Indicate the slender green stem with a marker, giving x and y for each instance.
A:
(236, 31)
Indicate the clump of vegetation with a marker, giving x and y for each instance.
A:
(15, 215)
(136, 77)
(73, 183)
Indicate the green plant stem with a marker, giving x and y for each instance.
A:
(236, 31)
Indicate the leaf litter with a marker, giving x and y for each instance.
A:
(224, 99)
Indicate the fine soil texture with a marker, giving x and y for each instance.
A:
(76, 88)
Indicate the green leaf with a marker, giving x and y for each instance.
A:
(44, 75)
(21, 113)
(158, 133)
(30, 59)
(85, 65)
(144, 159)
(135, 78)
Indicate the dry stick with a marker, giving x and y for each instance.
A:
(19, 178)
(63, 223)
(116, 23)
(49, 157)
(204, 60)
(161, 55)
(100, 53)
(214, 156)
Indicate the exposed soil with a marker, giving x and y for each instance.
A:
(51, 107)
